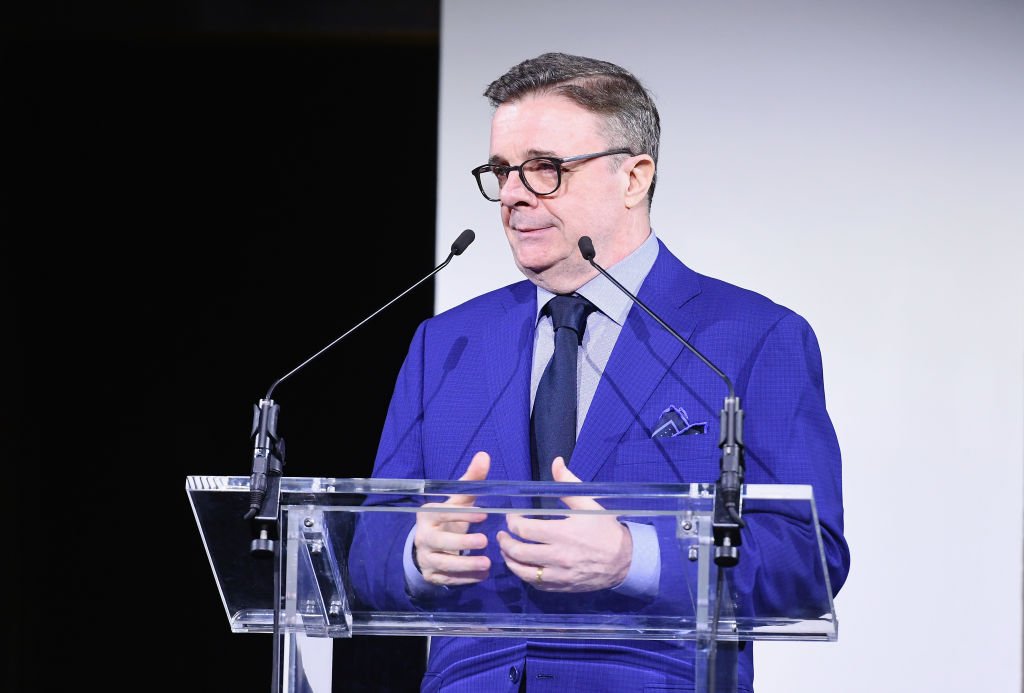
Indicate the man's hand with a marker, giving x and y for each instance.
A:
(580, 553)
(441, 537)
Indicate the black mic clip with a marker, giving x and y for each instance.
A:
(727, 520)
(265, 482)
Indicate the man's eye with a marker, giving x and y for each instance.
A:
(543, 166)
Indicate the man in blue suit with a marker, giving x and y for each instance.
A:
(573, 153)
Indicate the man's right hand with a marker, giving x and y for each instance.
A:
(441, 537)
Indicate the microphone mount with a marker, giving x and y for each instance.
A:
(727, 520)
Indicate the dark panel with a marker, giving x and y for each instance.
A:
(189, 217)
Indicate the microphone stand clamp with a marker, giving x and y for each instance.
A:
(727, 522)
(265, 482)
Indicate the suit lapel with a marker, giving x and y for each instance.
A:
(510, 342)
(642, 356)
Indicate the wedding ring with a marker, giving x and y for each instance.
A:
(540, 575)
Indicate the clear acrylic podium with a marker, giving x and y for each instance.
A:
(336, 570)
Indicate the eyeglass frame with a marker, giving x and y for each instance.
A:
(557, 160)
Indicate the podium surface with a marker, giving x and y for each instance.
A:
(340, 566)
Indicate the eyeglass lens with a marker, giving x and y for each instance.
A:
(541, 176)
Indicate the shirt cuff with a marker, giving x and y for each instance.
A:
(415, 585)
(645, 570)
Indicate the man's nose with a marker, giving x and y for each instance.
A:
(515, 190)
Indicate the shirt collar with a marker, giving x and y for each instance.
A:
(630, 272)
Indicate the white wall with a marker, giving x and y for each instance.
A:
(863, 163)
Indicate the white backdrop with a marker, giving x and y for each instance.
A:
(862, 163)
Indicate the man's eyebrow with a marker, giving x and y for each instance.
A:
(539, 152)
(496, 160)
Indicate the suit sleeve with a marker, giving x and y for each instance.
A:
(789, 439)
(376, 556)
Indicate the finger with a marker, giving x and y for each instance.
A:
(581, 503)
(527, 572)
(522, 570)
(518, 568)
(560, 472)
(456, 580)
(478, 467)
(446, 569)
(477, 470)
(438, 516)
(523, 552)
(540, 532)
(453, 564)
(450, 542)
(560, 533)
(528, 528)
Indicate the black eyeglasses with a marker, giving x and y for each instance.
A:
(541, 175)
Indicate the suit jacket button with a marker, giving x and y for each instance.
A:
(513, 674)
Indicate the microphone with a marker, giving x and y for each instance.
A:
(727, 522)
(268, 452)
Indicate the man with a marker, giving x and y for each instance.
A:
(573, 153)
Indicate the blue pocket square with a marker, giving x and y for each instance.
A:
(674, 422)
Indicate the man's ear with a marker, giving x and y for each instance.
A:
(641, 172)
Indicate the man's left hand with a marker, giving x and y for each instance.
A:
(576, 553)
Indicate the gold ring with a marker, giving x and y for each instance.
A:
(540, 575)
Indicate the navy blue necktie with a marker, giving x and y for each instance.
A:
(553, 424)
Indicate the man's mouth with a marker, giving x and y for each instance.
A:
(528, 228)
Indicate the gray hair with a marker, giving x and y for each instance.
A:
(600, 87)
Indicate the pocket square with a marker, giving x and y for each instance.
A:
(675, 422)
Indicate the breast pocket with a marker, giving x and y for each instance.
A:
(682, 459)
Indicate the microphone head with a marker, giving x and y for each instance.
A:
(587, 248)
(463, 241)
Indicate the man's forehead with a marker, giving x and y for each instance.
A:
(542, 125)
(540, 106)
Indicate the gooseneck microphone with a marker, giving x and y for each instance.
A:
(727, 521)
(268, 452)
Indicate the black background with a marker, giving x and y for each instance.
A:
(195, 203)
